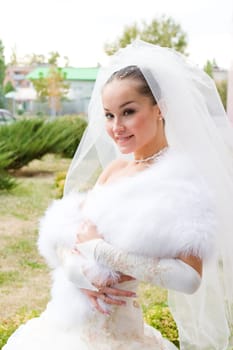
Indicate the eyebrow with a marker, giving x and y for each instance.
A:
(121, 106)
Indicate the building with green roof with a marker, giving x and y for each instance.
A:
(71, 73)
(81, 82)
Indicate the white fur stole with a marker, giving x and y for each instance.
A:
(163, 211)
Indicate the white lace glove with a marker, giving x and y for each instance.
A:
(168, 273)
(74, 267)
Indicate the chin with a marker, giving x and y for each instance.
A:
(125, 150)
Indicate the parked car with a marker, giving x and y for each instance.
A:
(6, 117)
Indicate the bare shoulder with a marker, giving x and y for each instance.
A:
(113, 167)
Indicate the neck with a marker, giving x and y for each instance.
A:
(150, 150)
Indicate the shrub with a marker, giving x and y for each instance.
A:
(59, 183)
(70, 130)
(156, 312)
(7, 182)
(20, 139)
(159, 317)
(29, 139)
(33, 138)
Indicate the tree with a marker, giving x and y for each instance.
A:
(163, 31)
(40, 86)
(220, 85)
(52, 87)
(14, 57)
(34, 59)
(209, 67)
(2, 74)
(8, 87)
(54, 55)
(57, 88)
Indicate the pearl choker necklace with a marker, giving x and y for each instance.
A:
(153, 157)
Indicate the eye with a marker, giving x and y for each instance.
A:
(109, 116)
(128, 111)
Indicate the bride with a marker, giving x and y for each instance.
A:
(160, 212)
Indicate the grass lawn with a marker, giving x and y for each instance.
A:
(24, 277)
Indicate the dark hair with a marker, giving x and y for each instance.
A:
(134, 73)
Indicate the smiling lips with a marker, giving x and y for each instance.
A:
(123, 139)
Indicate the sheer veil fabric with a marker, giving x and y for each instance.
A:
(196, 124)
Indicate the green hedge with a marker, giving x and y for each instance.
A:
(7, 182)
(71, 130)
(33, 138)
(29, 139)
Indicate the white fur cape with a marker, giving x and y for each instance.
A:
(162, 211)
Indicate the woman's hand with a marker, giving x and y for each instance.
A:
(107, 294)
(86, 232)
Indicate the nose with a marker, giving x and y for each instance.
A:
(118, 126)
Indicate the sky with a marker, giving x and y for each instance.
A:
(79, 29)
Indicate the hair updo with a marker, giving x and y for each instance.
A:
(134, 73)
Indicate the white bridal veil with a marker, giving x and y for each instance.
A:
(196, 124)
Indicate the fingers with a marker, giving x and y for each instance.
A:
(125, 278)
(108, 300)
(94, 296)
(106, 296)
(107, 292)
(118, 292)
(97, 306)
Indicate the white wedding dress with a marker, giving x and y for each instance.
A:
(164, 190)
(124, 329)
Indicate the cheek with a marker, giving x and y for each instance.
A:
(141, 124)
(136, 123)
(108, 129)
(146, 127)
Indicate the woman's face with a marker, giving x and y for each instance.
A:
(131, 118)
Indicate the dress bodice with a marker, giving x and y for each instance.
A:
(128, 317)
(123, 328)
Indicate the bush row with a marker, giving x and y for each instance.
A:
(6, 181)
(29, 139)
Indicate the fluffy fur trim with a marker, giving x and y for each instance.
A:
(68, 306)
(58, 227)
(162, 212)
